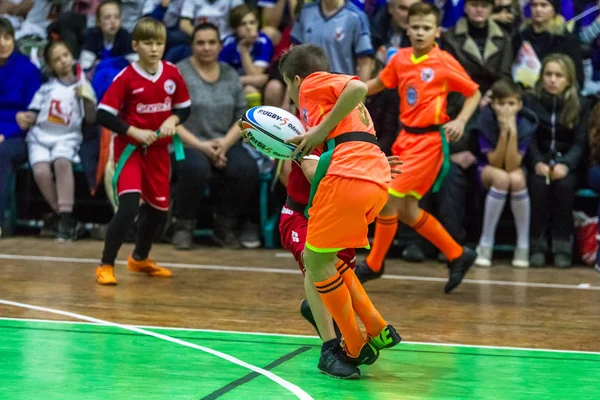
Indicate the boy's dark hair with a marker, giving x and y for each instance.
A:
(302, 61)
(149, 29)
(237, 14)
(206, 26)
(504, 88)
(105, 3)
(6, 28)
(423, 9)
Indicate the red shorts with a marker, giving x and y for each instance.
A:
(293, 227)
(147, 171)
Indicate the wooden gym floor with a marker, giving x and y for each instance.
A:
(456, 346)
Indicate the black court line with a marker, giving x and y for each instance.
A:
(247, 378)
(395, 349)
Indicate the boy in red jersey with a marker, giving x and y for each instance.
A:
(424, 75)
(143, 105)
(347, 192)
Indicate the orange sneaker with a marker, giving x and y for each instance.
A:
(149, 267)
(105, 275)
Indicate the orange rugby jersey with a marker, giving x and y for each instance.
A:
(423, 84)
(318, 94)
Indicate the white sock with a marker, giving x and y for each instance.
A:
(519, 204)
(494, 205)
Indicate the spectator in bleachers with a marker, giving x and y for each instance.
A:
(277, 17)
(168, 12)
(480, 45)
(19, 80)
(38, 18)
(131, 12)
(593, 177)
(507, 14)
(248, 51)
(15, 11)
(217, 104)
(54, 119)
(107, 40)
(216, 12)
(554, 155)
(547, 33)
(504, 130)
(590, 35)
(388, 29)
(342, 30)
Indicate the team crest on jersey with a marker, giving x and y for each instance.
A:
(339, 34)
(56, 115)
(427, 74)
(170, 87)
(305, 116)
(411, 96)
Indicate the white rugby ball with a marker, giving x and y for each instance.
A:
(266, 128)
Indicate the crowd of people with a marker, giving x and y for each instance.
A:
(533, 137)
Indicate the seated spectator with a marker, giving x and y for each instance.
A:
(504, 130)
(507, 14)
(594, 171)
(15, 11)
(277, 16)
(342, 30)
(547, 33)
(168, 12)
(217, 104)
(38, 18)
(55, 117)
(479, 45)
(248, 51)
(131, 12)
(106, 40)
(388, 29)
(554, 155)
(19, 80)
(194, 12)
(590, 36)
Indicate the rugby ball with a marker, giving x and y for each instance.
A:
(266, 128)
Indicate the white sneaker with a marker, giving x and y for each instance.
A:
(484, 256)
(521, 258)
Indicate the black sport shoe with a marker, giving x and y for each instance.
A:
(66, 228)
(183, 238)
(368, 355)
(334, 362)
(388, 338)
(413, 253)
(458, 268)
(364, 273)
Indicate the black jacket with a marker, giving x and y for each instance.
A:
(484, 70)
(552, 140)
(546, 43)
(487, 125)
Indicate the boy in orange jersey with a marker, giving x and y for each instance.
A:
(424, 75)
(348, 190)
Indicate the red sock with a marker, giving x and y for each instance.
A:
(385, 231)
(431, 229)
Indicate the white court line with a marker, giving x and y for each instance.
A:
(296, 271)
(299, 393)
(470, 346)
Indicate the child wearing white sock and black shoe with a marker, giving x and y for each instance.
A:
(504, 130)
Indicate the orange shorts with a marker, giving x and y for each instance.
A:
(422, 158)
(341, 212)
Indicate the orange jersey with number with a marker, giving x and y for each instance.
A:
(360, 160)
(423, 84)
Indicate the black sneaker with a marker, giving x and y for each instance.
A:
(250, 235)
(364, 273)
(368, 355)
(183, 238)
(66, 228)
(563, 260)
(537, 259)
(224, 233)
(50, 225)
(458, 268)
(413, 253)
(334, 362)
(388, 338)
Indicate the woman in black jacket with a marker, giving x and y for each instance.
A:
(554, 154)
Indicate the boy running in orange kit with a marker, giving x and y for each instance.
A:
(424, 75)
(347, 192)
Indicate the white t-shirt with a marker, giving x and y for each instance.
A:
(216, 12)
